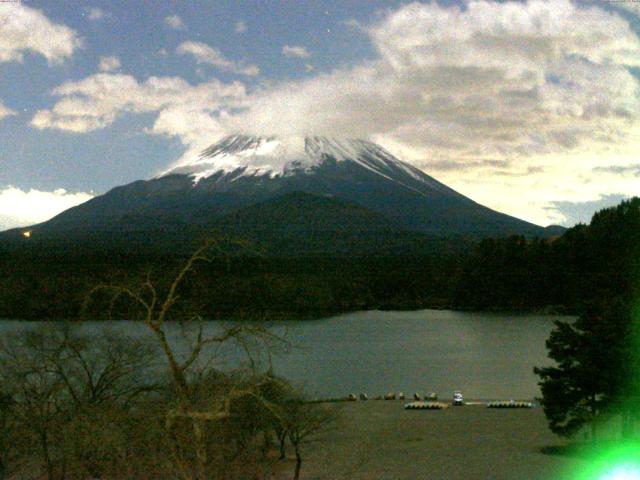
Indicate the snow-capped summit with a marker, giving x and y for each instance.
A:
(243, 172)
(242, 156)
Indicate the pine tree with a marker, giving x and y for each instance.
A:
(592, 368)
(598, 356)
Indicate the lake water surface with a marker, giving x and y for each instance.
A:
(487, 356)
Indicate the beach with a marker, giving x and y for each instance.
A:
(379, 440)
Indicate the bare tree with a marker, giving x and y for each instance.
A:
(303, 423)
(39, 399)
(155, 306)
(62, 385)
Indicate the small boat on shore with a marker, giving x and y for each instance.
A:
(426, 406)
(510, 404)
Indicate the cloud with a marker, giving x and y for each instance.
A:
(544, 85)
(473, 83)
(96, 101)
(19, 208)
(295, 51)
(96, 13)
(6, 111)
(633, 170)
(240, 27)
(513, 103)
(631, 6)
(581, 212)
(174, 22)
(24, 29)
(203, 53)
(447, 165)
(109, 64)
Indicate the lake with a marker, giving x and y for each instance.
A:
(486, 355)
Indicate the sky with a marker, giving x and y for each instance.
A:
(531, 108)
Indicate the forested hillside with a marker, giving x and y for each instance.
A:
(515, 274)
(588, 262)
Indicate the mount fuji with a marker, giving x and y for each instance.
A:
(252, 185)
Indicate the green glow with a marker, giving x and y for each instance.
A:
(623, 472)
(614, 462)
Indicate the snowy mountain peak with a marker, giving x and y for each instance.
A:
(241, 172)
(285, 156)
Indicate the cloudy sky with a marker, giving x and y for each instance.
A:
(531, 108)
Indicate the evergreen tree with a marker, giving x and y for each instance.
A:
(592, 357)
(598, 355)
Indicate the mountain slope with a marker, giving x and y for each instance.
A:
(241, 171)
(301, 223)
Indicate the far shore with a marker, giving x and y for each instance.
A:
(309, 316)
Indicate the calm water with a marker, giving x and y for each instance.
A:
(487, 356)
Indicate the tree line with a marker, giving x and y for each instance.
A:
(587, 262)
(505, 274)
(37, 285)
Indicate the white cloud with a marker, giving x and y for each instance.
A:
(109, 64)
(203, 53)
(174, 22)
(24, 29)
(19, 208)
(629, 6)
(6, 111)
(295, 51)
(191, 123)
(514, 104)
(96, 101)
(240, 27)
(518, 100)
(96, 13)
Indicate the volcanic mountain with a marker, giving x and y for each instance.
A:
(270, 185)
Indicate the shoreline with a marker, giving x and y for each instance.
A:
(545, 311)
